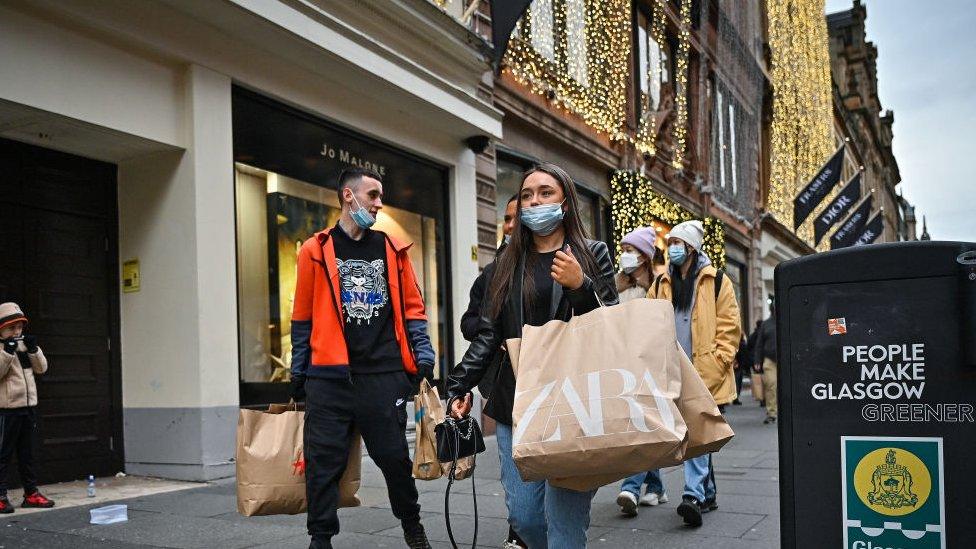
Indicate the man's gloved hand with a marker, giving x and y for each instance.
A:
(297, 388)
(10, 345)
(31, 343)
(424, 371)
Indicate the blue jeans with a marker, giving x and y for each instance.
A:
(700, 478)
(542, 515)
(651, 478)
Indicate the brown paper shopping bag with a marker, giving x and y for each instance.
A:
(599, 389)
(427, 405)
(707, 429)
(271, 464)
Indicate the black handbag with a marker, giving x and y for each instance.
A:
(457, 439)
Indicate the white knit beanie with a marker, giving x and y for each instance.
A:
(691, 232)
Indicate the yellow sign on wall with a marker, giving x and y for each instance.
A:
(130, 276)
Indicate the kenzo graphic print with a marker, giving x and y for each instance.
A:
(365, 300)
(364, 290)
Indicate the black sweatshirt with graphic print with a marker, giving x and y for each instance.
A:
(365, 301)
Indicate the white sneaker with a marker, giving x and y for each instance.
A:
(649, 499)
(628, 503)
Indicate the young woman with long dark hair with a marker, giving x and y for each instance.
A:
(549, 270)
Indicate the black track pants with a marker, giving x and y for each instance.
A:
(17, 436)
(376, 404)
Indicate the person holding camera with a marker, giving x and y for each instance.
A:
(20, 360)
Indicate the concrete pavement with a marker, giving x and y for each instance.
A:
(746, 476)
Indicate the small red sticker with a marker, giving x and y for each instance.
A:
(836, 326)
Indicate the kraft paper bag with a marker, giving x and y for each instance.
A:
(601, 389)
(707, 429)
(757, 386)
(271, 463)
(427, 405)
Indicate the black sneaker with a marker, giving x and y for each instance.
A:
(690, 510)
(736, 402)
(768, 420)
(415, 536)
(709, 505)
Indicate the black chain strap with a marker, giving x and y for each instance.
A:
(450, 479)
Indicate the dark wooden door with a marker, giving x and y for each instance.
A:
(58, 260)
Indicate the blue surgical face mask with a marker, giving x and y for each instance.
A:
(677, 254)
(361, 216)
(543, 219)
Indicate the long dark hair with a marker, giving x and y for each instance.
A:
(522, 242)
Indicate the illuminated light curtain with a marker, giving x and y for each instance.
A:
(587, 71)
(543, 39)
(576, 41)
(652, 67)
(681, 86)
(634, 204)
(802, 116)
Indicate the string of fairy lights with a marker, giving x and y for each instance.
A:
(681, 86)
(646, 139)
(635, 204)
(801, 131)
(588, 72)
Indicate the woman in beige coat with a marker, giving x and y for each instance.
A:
(20, 360)
(708, 328)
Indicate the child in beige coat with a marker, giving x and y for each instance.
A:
(20, 360)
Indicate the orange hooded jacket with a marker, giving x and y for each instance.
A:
(318, 339)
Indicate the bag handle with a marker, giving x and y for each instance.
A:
(450, 480)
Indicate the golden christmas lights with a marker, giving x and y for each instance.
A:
(646, 139)
(681, 86)
(634, 204)
(587, 72)
(801, 133)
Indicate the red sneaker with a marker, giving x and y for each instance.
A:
(37, 500)
(5, 506)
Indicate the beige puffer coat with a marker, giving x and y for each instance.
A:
(17, 386)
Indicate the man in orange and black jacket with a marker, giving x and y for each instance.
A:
(359, 350)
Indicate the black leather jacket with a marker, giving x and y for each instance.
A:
(493, 332)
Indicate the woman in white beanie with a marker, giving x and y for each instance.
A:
(706, 318)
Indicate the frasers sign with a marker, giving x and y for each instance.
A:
(893, 372)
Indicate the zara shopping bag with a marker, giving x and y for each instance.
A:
(600, 388)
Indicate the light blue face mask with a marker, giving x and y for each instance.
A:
(361, 216)
(543, 219)
(677, 254)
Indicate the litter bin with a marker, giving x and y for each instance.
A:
(877, 385)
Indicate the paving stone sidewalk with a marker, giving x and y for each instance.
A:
(748, 515)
